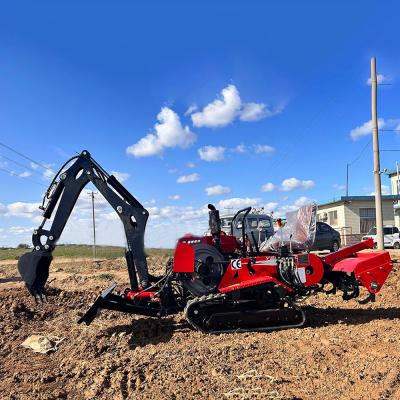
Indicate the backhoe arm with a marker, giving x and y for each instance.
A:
(62, 196)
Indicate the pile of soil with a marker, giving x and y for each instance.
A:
(346, 350)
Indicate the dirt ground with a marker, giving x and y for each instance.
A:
(346, 351)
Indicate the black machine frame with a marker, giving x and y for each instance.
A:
(64, 190)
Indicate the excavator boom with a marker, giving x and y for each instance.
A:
(60, 198)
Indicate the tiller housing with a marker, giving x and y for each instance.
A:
(221, 284)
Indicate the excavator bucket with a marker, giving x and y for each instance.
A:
(34, 270)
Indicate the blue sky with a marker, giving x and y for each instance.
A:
(247, 95)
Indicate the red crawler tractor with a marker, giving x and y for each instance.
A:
(222, 284)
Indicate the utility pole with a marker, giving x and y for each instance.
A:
(94, 225)
(347, 179)
(377, 167)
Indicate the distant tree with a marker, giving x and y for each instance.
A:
(23, 246)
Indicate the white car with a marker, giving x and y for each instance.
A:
(391, 236)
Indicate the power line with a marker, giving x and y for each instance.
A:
(12, 173)
(26, 157)
(391, 150)
(361, 152)
(17, 163)
(353, 162)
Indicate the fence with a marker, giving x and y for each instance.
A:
(347, 236)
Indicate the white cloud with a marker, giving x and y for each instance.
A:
(301, 201)
(217, 190)
(84, 202)
(173, 221)
(379, 79)
(177, 212)
(294, 183)
(165, 223)
(224, 110)
(25, 174)
(269, 207)
(174, 197)
(190, 165)
(212, 153)
(220, 112)
(236, 203)
(263, 149)
(168, 133)
(48, 172)
(255, 148)
(257, 111)
(18, 230)
(23, 209)
(191, 109)
(240, 148)
(268, 187)
(121, 176)
(338, 186)
(3, 209)
(385, 190)
(253, 111)
(150, 202)
(188, 178)
(366, 129)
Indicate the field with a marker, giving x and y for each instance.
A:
(346, 351)
(79, 251)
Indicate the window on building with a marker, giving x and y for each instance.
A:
(333, 220)
(322, 216)
(367, 219)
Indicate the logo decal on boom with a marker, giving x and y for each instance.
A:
(236, 264)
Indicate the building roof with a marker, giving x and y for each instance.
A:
(392, 172)
(344, 199)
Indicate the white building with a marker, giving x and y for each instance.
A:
(353, 216)
(395, 186)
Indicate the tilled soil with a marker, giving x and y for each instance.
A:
(346, 350)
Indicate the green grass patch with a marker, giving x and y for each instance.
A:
(82, 251)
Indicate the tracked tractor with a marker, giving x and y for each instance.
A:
(220, 283)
